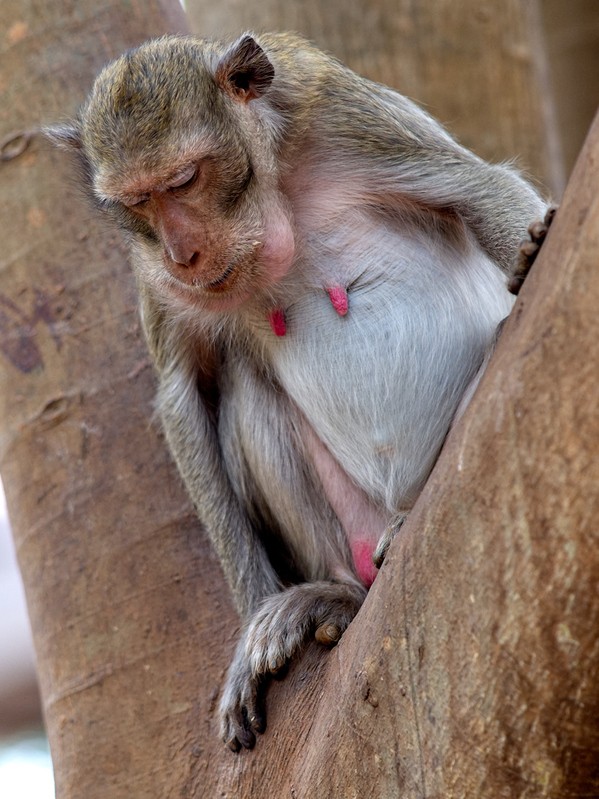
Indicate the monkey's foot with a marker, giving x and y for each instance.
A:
(529, 249)
(282, 625)
(286, 621)
(385, 540)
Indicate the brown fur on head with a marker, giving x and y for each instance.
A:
(165, 84)
(172, 150)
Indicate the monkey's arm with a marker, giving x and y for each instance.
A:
(402, 156)
(192, 437)
(493, 200)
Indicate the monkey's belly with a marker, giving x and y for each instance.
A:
(380, 385)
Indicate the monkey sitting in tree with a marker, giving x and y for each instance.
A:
(322, 269)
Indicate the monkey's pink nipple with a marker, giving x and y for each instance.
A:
(276, 319)
(339, 299)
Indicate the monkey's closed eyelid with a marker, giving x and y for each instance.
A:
(132, 202)
(185, 178)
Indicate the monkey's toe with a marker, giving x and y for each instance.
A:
(328, 634)
(242, 709)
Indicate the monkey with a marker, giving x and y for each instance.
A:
(321, 271)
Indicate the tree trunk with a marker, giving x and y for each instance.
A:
(471, 670)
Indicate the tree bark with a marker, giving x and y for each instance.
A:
(471, 670)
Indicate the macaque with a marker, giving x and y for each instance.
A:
(322, 269)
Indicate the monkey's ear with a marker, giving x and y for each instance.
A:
(245, 71)
(67, 137)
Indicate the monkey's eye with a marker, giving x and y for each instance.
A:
(136, 202)
(184, 179)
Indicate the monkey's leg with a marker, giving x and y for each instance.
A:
(263, 437)
(529, 249)
(276, 632)
(261, 434)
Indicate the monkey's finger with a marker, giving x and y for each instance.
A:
(526, 257)
(549, 216)
(380, 552)
(229, 733)
(537, 231)
(257, 722)
(246, 737)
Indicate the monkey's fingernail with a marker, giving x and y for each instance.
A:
(339, 299)
(277, 322)
(327, 634)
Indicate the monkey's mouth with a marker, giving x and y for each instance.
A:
(220, 283)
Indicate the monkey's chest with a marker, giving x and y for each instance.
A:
(375, 339)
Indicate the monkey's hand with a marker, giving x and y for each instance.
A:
(281, 626)
(384, 543)
(529, 249)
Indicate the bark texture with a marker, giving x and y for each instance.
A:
(472, 669)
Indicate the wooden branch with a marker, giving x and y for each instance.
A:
(472, 668)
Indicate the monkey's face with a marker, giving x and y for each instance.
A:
(214, 232)
(178, 155)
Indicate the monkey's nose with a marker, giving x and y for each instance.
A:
(183, 257)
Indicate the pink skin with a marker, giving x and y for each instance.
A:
(276, 319)
(362, 522)
(278, 248)
(339, 299)
(361, 551)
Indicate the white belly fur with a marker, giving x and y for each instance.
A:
(380, 386)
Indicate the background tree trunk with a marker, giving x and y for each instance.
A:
(472, 668)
